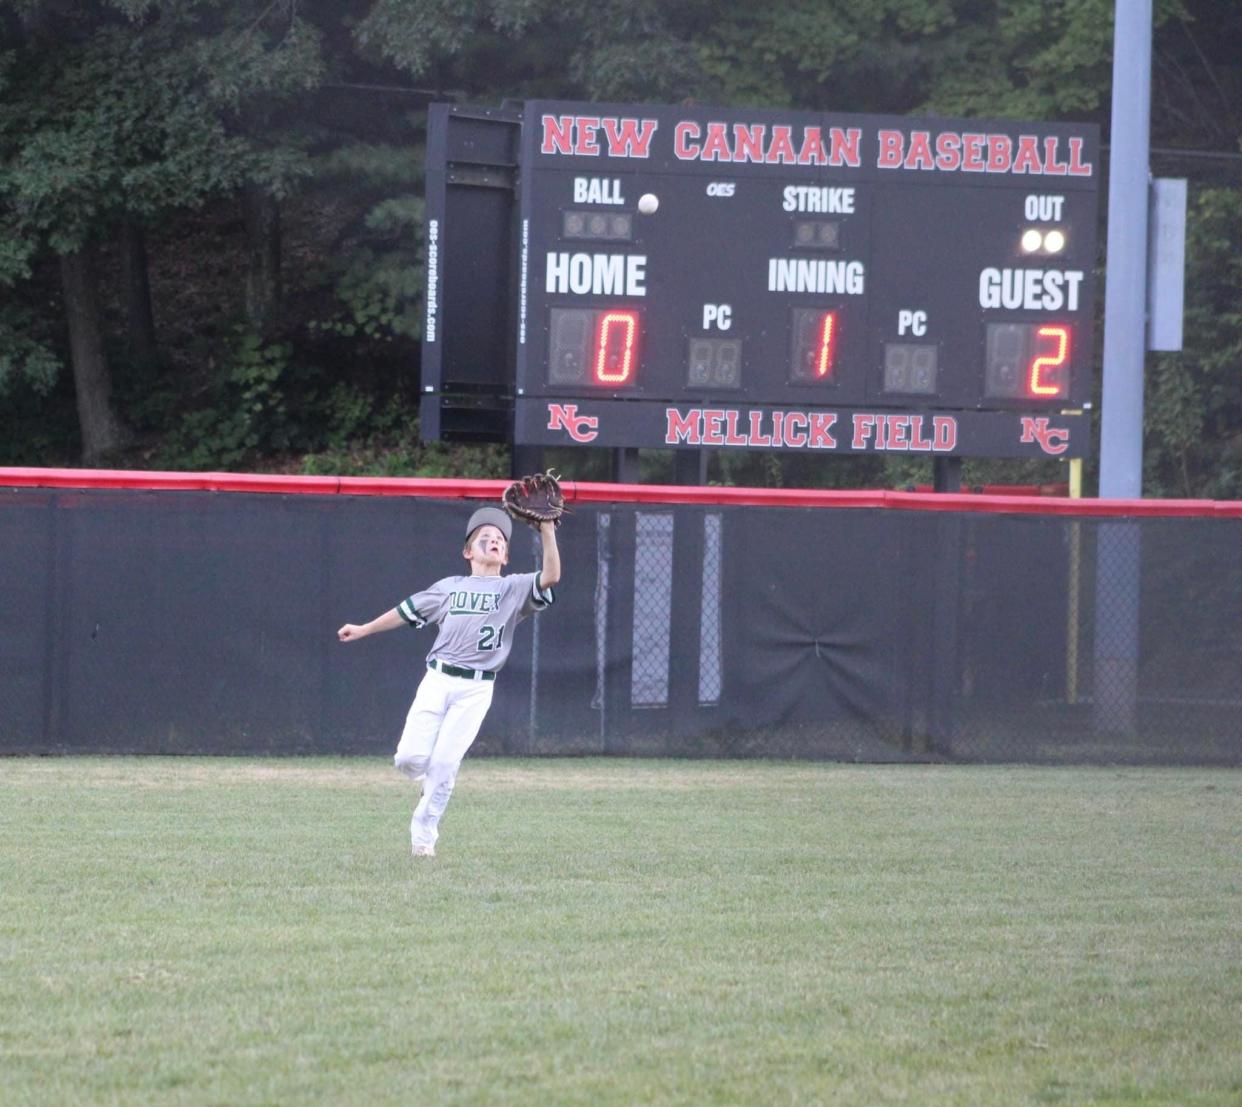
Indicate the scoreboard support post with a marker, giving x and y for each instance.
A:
(690, 467)
(625, 465)
(525, 460)
(947, 474)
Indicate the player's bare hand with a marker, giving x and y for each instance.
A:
(349, 632)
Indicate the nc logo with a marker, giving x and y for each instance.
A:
(721, 188)
(1052, 440)
(581, 428)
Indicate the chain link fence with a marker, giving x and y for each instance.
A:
(889, 635)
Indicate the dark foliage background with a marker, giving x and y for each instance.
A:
(211, 210)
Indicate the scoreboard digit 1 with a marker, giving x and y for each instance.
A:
(802, 281)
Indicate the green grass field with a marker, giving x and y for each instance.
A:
(198, 931)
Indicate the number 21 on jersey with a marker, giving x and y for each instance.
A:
(490, 637)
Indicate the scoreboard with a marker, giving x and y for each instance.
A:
(709, 278)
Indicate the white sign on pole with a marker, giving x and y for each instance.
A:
(1166, 263)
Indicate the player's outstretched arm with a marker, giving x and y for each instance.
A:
(550, 573)
(390, 620)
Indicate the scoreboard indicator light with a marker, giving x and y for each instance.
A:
(817, 235)
(714, 363)
(910, 367)
(1035, 241)
(617, 226)
(1028, 361)
(815, 339)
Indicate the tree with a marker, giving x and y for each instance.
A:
(611, 49)
(1193, 409)
(116, 115)
(285, 137)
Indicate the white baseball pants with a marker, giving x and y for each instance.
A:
(443, 722)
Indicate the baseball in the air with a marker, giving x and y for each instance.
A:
(648, 202)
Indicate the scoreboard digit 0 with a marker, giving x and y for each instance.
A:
(803, 281)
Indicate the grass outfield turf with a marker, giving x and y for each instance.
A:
(200, 931)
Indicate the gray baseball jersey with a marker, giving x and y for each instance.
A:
(476, 616)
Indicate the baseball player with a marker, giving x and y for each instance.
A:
(476, 616)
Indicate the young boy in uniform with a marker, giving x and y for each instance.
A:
(476, 615)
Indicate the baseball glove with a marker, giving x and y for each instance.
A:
(535, 499)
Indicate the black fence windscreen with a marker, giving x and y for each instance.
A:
(204, 622)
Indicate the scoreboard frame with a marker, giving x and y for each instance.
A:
(798, 281)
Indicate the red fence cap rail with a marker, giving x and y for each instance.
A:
(603, 492)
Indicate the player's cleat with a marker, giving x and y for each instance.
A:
(423, 851)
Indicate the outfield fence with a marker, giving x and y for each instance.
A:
(196, 613)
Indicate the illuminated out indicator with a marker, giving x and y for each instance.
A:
(815, 340)
(589, 347)
(1037, 241)
(1028, 361)
(910, 367)
(616, 347)
(714, 363)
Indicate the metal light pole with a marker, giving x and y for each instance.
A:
(1125, 334)
(1125, 293)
